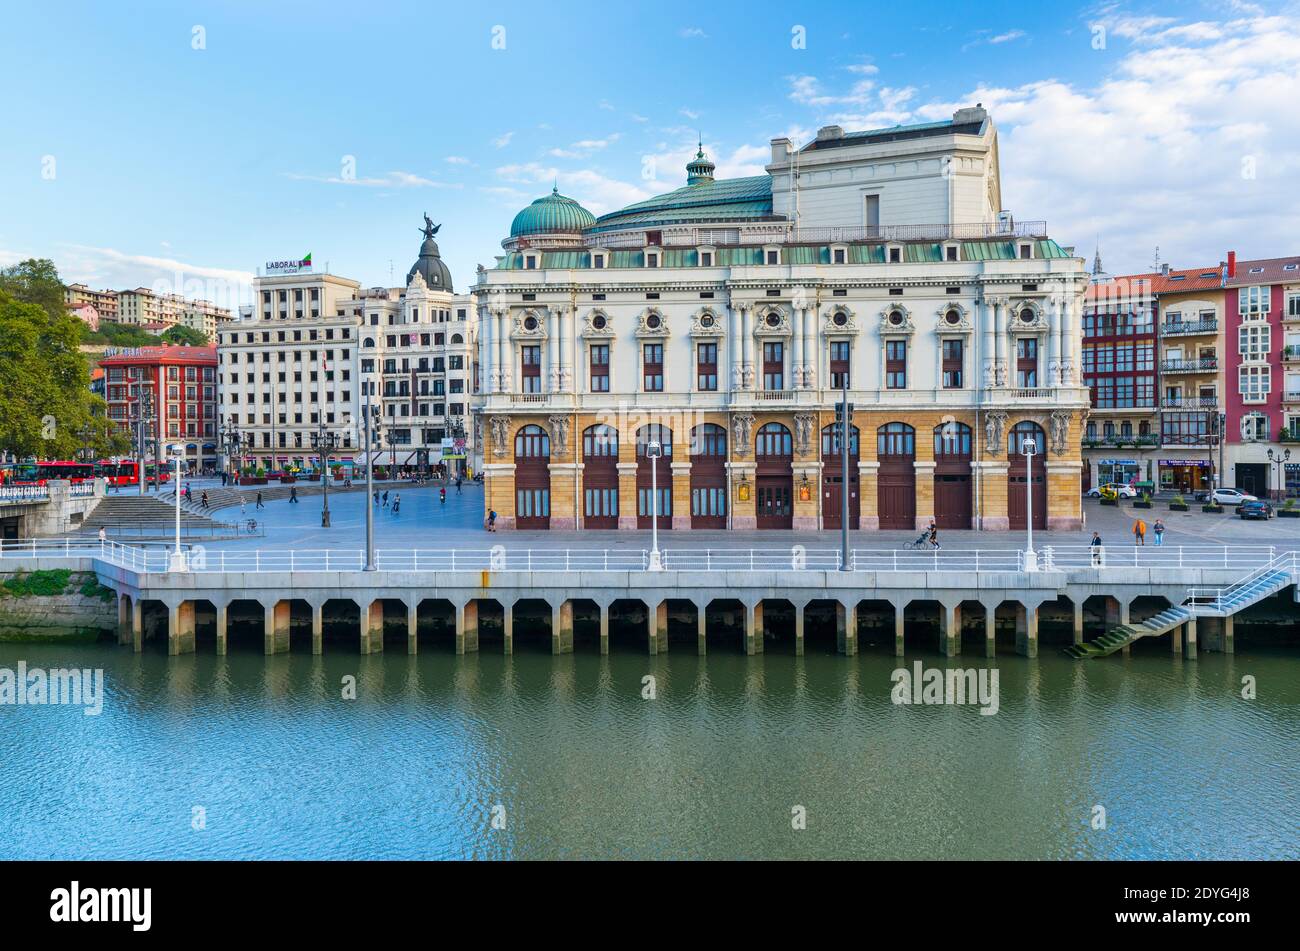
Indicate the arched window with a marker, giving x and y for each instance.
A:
(774, 440)
(654, 432)
(709, 439)
(831, 439)
(368, 342)
(599, 441)
(532, 442)
(952, 440)
(896, 439)
(1028, 430)
(457, 338)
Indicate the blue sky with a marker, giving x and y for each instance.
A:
(132, 157)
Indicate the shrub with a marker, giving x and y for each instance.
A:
(38, 583)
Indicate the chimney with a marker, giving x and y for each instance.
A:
(1164, 269)
(1232, 264)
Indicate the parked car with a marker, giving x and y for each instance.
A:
(1122, 489)
(1256, 508)
(1225, 496)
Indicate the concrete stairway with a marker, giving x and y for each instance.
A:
(1254, 587)
(137, 513)
(1125, 634)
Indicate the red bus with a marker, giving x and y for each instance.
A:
(117, 473)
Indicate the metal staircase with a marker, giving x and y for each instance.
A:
(1125, 634)
(1261, 583)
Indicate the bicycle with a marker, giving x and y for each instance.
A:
(920, 544)
(251, 525)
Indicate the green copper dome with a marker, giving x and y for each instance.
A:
(552, 214)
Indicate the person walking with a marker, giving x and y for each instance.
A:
(103, 535)
(459, 480)
(442, 495)
(376, 496)
(492, 520)
(385, 498)
(934, 536)
(1139, 532)
(293, 494)
(1158, 529)
(259, 501)
(188, 494)
(397, 502)
(1096, 548)
(203, 499)
(243, 504)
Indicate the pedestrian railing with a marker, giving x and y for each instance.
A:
(147, 558)
(24, 493)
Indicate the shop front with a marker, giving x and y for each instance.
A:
(1123, 471)
(1184, 475)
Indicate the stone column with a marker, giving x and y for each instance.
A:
(412, 640)
(275, 628)
(1078, 622)
(1053, 378)
(799, 610)
(797, 351)
(604, 629)
(949, 629)
(736, 358)
(988, 346)
(627, 495)
(753, 615)
(1228, 634)
(562, 628)
(1069, 327)
(1001, 307)
(846, 628)
(900, 617)
(180, 629)
(223, 617)
(812, 350)
(550, 354)
(747, 346)
(372, 627)
(123, 620)
(1190, 627)
(137, 625)
(317, 628)
(701, 628)
(485, 349)
(467, 627)
(1027, 630)
(990, 630)
(658, 624)
(508, 626)
(924, 492)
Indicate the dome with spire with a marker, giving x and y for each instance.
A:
(430, 266)
(552, 214)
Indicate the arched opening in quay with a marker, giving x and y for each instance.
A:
(586, 624)
(778, 617)
(683, 630)
(154, 621)
(725, 623)
(1056, 623)
(921, 625)
(972, 625)
(821, 626)
(205, 626)
(341, 625)
(1101, 612)
(532, 626)
(245, 627)
(491, 624)
(394, 622)
(1007, 617)
(629, 626)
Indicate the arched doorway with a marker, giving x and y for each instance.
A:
(600, 477)
(532, 478)
(896, 478)
(774, 477)
(708, 476)
(952, 475)
(1020, 478)
(833, 477)
(662, 477)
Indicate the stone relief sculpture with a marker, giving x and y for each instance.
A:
(559, 434)
(500, 434)
(994, 424)
(803, 428)
(1060, 432)
(742, 428)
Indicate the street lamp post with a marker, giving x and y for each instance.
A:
(367, 422)
(653, 451)
(1028, 449)
(177, 560)
(144, 409)
(1278, 463)
(324, 442)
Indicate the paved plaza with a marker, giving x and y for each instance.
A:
(425, 523)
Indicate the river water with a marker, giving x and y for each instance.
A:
(531, 756)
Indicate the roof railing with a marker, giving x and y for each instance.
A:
(732, 237)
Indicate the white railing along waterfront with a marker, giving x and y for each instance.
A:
(789, 558)
(24, 493)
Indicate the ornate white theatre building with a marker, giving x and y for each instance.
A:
(719, 320)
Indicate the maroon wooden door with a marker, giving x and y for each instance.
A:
(833, 478)
(896, 477)
(600, 477)
(774, 477)
(532, 478)
(1022, 478)
(708, 476)
(953, 505)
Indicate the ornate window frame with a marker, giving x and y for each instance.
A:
(905, 329)
(851, 327)
(519, 332)
(589, 329)
(783, 328)
(643, 330)
(699, 330)
(965, 324)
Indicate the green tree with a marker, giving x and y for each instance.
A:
(35, 281)
(186, 335)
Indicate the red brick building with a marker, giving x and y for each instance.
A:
(178, 387)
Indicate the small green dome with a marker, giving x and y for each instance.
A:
(552, 214)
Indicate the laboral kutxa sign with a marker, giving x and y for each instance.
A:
(289, 267)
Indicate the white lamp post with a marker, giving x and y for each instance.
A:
(177, 560)
(1031, 558)
(653, 451)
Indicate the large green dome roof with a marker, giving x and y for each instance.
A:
(552, 214)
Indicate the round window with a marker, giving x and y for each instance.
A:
(530, 323)
(953, 317)
(773, 320)
(706, 320)
(840, 319)
(599, 322)
(1027, 315)
(896, 318)
(653, 321)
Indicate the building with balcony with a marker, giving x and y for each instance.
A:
(315, 348)
(1121, 439)
(683, 356)
(1262, 372)
(175, 388)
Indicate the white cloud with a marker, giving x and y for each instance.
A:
(693, 33)
(387, 180)
(688, 113)
(112, 268)
(585, 147)
(457, 160)
(1007, 37)
(502, 141)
